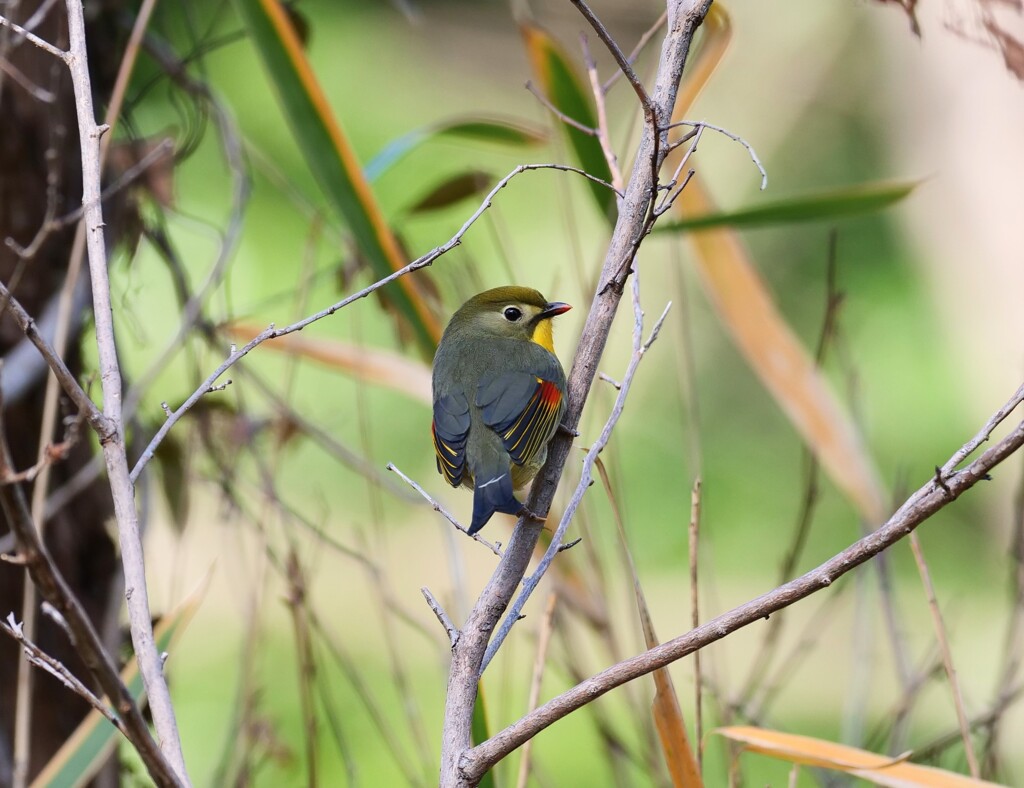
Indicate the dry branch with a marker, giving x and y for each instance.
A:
(631, 227)
(933, 496)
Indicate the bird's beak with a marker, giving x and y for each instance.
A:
(554, 308)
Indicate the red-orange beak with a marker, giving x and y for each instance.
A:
(554, 308)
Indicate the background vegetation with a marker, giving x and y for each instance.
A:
(311, 568)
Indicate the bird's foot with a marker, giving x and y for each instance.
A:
(528, 514)
(568, 431)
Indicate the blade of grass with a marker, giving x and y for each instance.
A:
(332, 160)
(564, 88)
(481, 732)
(834, 204)
(88, 748)
(668, 716)
(783, 364)
(762, 334)
(496, 131)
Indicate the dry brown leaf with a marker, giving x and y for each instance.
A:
(878, 769)
(372, 365)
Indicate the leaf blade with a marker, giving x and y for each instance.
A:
(86, 750)
(878, 769)
(332, 160)
(833, 204)
(564, 89)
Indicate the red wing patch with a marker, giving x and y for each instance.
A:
(524, 437)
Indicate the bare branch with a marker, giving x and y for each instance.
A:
(446, 622)
(272, 332)
(114, 452)
(632, 225)
(104, 428)
(58, 670)
(620, 59)
(531, 582)
(928, 500)
(494, 548)
(33, 38)
(51, 584)
(558, 113)
(700, 124)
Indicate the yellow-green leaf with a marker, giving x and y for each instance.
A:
(332, 161)
(747, 309)
(563, 87)
(501, 132)
(835, 204)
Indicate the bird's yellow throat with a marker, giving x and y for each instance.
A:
(543, 336)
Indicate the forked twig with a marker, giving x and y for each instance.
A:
(494, 548)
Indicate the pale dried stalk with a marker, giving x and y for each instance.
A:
(114, 450)
(631, 227)
(933, 496)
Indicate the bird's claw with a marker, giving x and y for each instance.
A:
(569, 431)
(528, 514)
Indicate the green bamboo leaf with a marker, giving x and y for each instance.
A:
(499, 132)
(563, 87)
(88, 748)
(454, 189)
(479, 730)
(863, 198)
(331, 159)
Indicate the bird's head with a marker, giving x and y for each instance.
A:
(511, 313)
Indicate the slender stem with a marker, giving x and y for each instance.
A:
(114, 452)
(51, 584)
(928, 500)
(631, 227)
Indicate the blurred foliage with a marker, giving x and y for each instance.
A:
(418, 97)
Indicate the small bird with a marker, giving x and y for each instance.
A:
(499, 396)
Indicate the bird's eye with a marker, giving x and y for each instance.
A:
(512, 314)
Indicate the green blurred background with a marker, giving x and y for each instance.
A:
(830, 94)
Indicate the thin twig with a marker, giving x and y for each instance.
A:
(494, 548)
(694, 540)
(698, 124)
(568, 121)
(446, 622)
(33, 38)
(640, 44)
(52, 586)
(539, 661)
(100, 423)
(114, 448)
(624, 65)
(919, 507)
(947, 654)
(603, 134)
(272, 332)
(531, 582)
(58, 670)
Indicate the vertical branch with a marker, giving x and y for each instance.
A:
(114, 453)
(631, 227)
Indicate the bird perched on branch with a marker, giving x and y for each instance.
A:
(499, 396)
